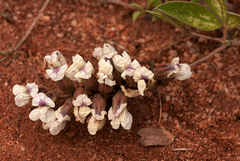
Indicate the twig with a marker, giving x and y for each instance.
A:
(4, 58)
(31, 27)
(181, 149)
(207, 37)
(118, 2)
(160, 104)
(208, 56)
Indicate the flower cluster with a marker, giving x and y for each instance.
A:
(95, 97)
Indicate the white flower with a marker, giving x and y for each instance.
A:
(55, 60)
(42, 100)
(121, 63)
(131, 69)
(78, 63)
(140, 75)
(44, 113)
(24, 94)
(58, 123)
(184, 72)
(57, 74)
(81, 109)
(105, 72)
(180, 71)
(120, 116)
(106, 52)
(85, 72)
(96, 122)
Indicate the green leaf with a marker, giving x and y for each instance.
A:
(149, 3)
(195, 1)
(137, 6)
(156, 3)
(233, 20)
(192, 14)
(137, 14)
(219, 8)
(173, 21)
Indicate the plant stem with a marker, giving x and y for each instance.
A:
(207, 37)
(208, 56)
(32, 25)
(160, 104)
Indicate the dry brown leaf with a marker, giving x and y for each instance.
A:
(150, 136)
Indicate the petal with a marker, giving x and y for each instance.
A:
(17, 89)
(57, 74)
(107, 49)
(115, 123)
(131, 69)
(130, 92)
(34, 114)
(85, 72)
(82, 100)
(98, 52)
(126, 119)
(184, 73)
(32, 88)
(55, 128)
(41, 99)
(78, 64)
(93, 126)
(57, 59)
(141, 86)
(110, 82)
(46, 114)
(121, 63)
(22, 99)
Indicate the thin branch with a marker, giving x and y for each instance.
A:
(117, 2)
(224, 38)
(208, 56)
(160, 104)
(32, 25)
(206, 37)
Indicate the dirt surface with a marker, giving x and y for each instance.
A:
(203, 112)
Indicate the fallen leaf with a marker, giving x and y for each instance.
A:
(150, 136)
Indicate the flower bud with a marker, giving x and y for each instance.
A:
(67, 107)
(98, 103)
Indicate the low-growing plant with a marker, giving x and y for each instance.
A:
(107, 91)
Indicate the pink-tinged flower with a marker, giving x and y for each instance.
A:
(58, 123)
(57, 74)
(78, 64)
(55, 60)
(140, 76)
(97, 120)
(81, 109)
(42, 100)
(105, 73)
(85, 72)
(121, 63)
(118, 113)
(24, 94)
(180, 71)
(131, 69)
(107, 52)
(44, 113)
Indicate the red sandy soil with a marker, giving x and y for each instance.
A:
(203, 112)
